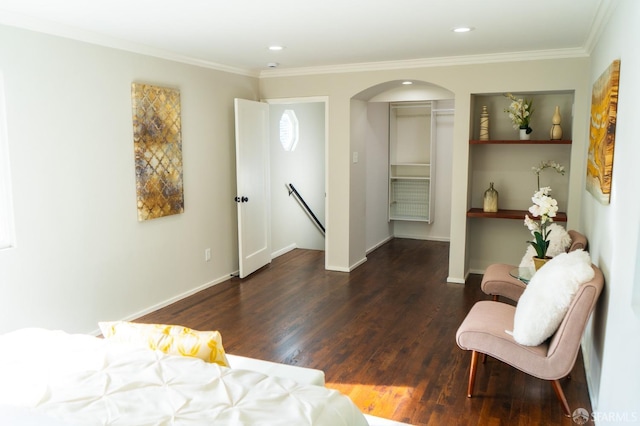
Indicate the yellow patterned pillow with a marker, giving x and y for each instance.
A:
(170, 339)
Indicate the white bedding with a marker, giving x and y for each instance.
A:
(80, 379)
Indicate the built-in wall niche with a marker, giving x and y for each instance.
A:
(509, 167)
(544, 105)
(507, 162)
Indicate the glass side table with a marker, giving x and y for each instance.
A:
(523, 273)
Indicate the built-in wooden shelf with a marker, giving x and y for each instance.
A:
(518, 141)
(510, 214)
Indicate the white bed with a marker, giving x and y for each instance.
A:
(52, 378)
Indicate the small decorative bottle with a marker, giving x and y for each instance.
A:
(484, 124)
(490, 200)
(556, 130)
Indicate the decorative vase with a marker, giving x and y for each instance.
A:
(525, 133)
(539, 263)
(490, 204)
(556, 130)
(484, 124)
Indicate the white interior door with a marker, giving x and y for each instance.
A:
(252, 177)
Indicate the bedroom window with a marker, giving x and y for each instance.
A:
(6, 211)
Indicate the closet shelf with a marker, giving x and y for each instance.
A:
(411, 164)
(398, 177)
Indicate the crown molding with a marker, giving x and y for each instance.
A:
(430, 62)
(13, 19)
(603, 14)
(16, 20)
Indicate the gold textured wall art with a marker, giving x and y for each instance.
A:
(602, 133)
(157, 144)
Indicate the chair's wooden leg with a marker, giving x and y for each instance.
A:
(472, 373)
(495, 297)
(560, 394)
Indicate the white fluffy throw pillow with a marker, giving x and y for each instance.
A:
(559, 242)
(548, 295)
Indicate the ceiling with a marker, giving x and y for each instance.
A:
(318, 34)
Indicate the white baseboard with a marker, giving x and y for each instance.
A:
(423, 237)
(458, 280)
(169, 301)
(591, 370)
(343, 269)
(380, 244)
(358, 263)
(337, 268)
(284, 250)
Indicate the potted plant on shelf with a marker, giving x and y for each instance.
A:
(545, 208)
(520, 111)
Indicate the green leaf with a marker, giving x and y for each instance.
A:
(540, 245)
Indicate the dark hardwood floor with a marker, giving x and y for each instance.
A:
(384, 335)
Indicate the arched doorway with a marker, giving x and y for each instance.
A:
(370, 138)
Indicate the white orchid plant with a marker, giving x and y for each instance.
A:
(545, 208)
(520, 111)
(549, 164)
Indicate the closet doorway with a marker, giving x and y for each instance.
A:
(372, 127)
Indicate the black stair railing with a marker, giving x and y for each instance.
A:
(305, 206)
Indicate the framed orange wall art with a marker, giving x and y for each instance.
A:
(602, 133)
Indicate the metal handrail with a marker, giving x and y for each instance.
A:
(305, 206)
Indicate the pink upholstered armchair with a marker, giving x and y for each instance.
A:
(483, 332)
(496, 280)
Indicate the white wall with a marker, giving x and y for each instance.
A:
(305, 169)
(357, 184)
(81, 254)
(378, 229)
(612, 344)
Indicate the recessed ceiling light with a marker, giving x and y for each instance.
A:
(407, 82)
(276, 47)
(462, 29)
